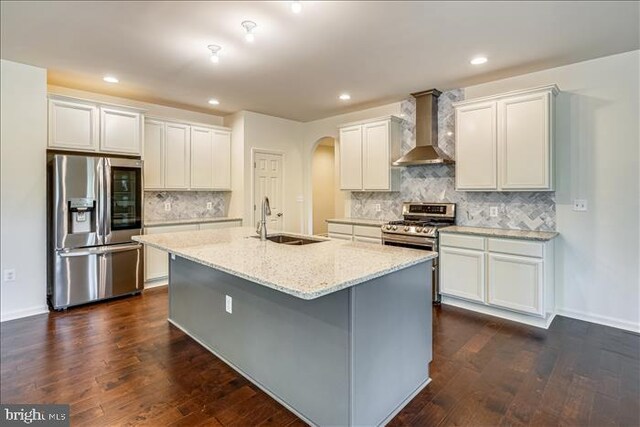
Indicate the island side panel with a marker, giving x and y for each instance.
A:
(296, 349)
(391, 342)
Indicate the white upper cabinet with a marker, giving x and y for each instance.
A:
(119, 131)
(505, 142)
(73, 125)
(183, 156)
(82, 125)
(154, 154)
(221, 160)
(351, 158)
(476, 147)
(177, 143)
(366, 152)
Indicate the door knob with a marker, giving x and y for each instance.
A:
(279, 214)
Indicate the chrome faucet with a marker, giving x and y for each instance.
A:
(261, 227)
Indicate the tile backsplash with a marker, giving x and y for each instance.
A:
(185, 204)
(436, 183)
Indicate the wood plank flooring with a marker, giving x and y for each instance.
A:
(121, 363)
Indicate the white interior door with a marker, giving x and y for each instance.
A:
(267, 179)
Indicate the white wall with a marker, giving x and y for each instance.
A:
(597, 158)
(23, 183)
(154, 110)
(236, 204)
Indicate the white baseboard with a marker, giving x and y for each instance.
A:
(600, 320)
(156, 284)
(539, 322)
(19, 314)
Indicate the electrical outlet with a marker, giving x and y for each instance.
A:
(167, 206)
(580, 205)
(209, 206)
(376, 207)
(9, 275)
(228, 304)
(493, 211)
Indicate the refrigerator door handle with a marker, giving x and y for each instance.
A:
(99, 251)
(106, 200)
(100, 202)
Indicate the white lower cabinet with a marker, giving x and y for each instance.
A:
(466, 278)
(515, 282)
(356, 233)
(156, 266)
(509, 278)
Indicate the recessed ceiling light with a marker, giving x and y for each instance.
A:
(296, 6)
(215, 49)
(214, 102)
(479, 60)
(345, 97)
(110, 79)
(249, 27)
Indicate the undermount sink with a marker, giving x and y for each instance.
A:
(291, 240)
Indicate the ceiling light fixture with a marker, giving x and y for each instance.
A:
(479, 60)
(214, 102)
(215, 49)
(249, 27)
(345, 97)
(296, 6)
(110, 79)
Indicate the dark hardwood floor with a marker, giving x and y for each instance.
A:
(121, 363)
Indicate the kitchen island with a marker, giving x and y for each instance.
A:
(339, 332)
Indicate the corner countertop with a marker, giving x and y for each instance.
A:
(159, 223)
(306, 272)
(359, 221)
(502, 233)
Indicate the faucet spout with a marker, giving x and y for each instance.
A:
(261, 228)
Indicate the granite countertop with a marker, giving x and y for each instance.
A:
(306, 272)
(502, 233)
(359, 221)
(158, 223)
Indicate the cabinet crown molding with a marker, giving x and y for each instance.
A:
(56, 97)
(185, 122)
(373, 120)
(553, 89)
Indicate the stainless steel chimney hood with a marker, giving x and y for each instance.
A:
(426, 151)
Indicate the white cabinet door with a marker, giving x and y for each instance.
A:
(221, 160)
(73, 125)
(351, 158)
(462, 273)
(202, 153)
(375, 156)
(156, 264)
(524, 141)
(119, 131)
(153, 154)
(516, 283)
(176, 171)
(218, 225)
(476, 145)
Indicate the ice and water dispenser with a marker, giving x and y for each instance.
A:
(82, 214)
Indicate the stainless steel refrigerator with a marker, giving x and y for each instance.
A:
(94, 208)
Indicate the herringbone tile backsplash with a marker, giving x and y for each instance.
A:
(435, 183)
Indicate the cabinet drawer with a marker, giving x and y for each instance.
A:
(367, 231)
(516, 247)
(461, 241)
(340, 228)
(377, 240)
(340, 236)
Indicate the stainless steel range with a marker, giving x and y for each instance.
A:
(419, 230)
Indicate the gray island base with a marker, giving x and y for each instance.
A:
(352, 357)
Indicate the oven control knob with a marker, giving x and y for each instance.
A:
(406, 229)
(426, 230)
(394, 227)
(418, 229)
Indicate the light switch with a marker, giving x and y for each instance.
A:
(228, 304)
(493, 211)
(167, 206)
(209, 206)
(9, 275)
(580, 205)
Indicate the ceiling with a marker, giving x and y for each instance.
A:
(299, 64)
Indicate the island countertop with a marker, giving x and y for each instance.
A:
(307, 272)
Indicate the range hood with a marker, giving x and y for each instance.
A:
(426, 151)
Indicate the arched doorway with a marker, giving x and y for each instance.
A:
(328, 200)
